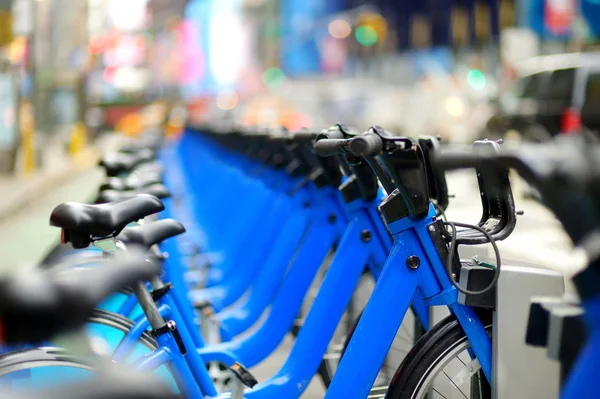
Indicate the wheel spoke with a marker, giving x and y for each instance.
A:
(406, 330)
(439, 393)
(463, 394)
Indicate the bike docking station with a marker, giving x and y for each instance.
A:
(519, 370)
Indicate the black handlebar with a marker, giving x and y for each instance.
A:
(303, 136)
(566, 158)
(566, 171)
(367, 145)
(330, 147)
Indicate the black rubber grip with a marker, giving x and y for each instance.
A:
(449, 161)
(366, 145)
(332, 133)
(329, 147)
(304, 136)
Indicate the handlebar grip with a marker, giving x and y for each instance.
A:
(366, 145)
(329, 147)
(304, 136)
(449, 161)
(330, 134)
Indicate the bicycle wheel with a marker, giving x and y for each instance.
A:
(111, 328)
(49, 367)
(46, 367)
(440, 365)
(40, 368)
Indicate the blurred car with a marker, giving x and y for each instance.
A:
(551, 95)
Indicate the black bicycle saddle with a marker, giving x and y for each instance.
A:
(150, 234)
(117, 162)
(157, 190)
(150, 142)
(131, 182)
(82, 222)
(37, 305)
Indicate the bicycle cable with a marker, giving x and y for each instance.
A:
(453, 249)
(440, 211)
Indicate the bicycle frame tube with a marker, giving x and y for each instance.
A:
(132, 337)
(241, 317)
(327, 309)
(168, 353)
(249, 229)
(279, 256)
(194, 361)
(233, 285)
(154, 360)
(256, 347)
(235, 279)
(481, 343)
(398, 284)
(376, 329)
(418, 306)
(177, 294)
(583, 381)
(192, 335)
(128, 305)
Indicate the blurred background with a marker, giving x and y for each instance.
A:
(71, 70)
(78, 75)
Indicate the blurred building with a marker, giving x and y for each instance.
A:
(253, 59)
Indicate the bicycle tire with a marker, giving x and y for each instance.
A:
(50, 356)
(123, 324)
(30, 359)
(432, 349)
(27, 358)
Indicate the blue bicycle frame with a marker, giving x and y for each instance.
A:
(398, 284)
(582, 382)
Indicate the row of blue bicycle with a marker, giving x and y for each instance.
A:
(132, 298)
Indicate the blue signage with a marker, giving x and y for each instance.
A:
(303, 23)
(8, 111)
(590, 10)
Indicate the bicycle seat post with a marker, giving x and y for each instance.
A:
(110, 246)
(145, 298)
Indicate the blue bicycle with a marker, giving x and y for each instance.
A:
(410, 251)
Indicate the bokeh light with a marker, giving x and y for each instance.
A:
(267, 117)
(227, 100)
(375, 21)
(273, 77)
(339, 29)
(226, 47)
(476, 79)
(455, 107)
(366, 35)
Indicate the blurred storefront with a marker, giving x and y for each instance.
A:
(288, 62)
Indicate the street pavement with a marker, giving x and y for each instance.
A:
(25, 235)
